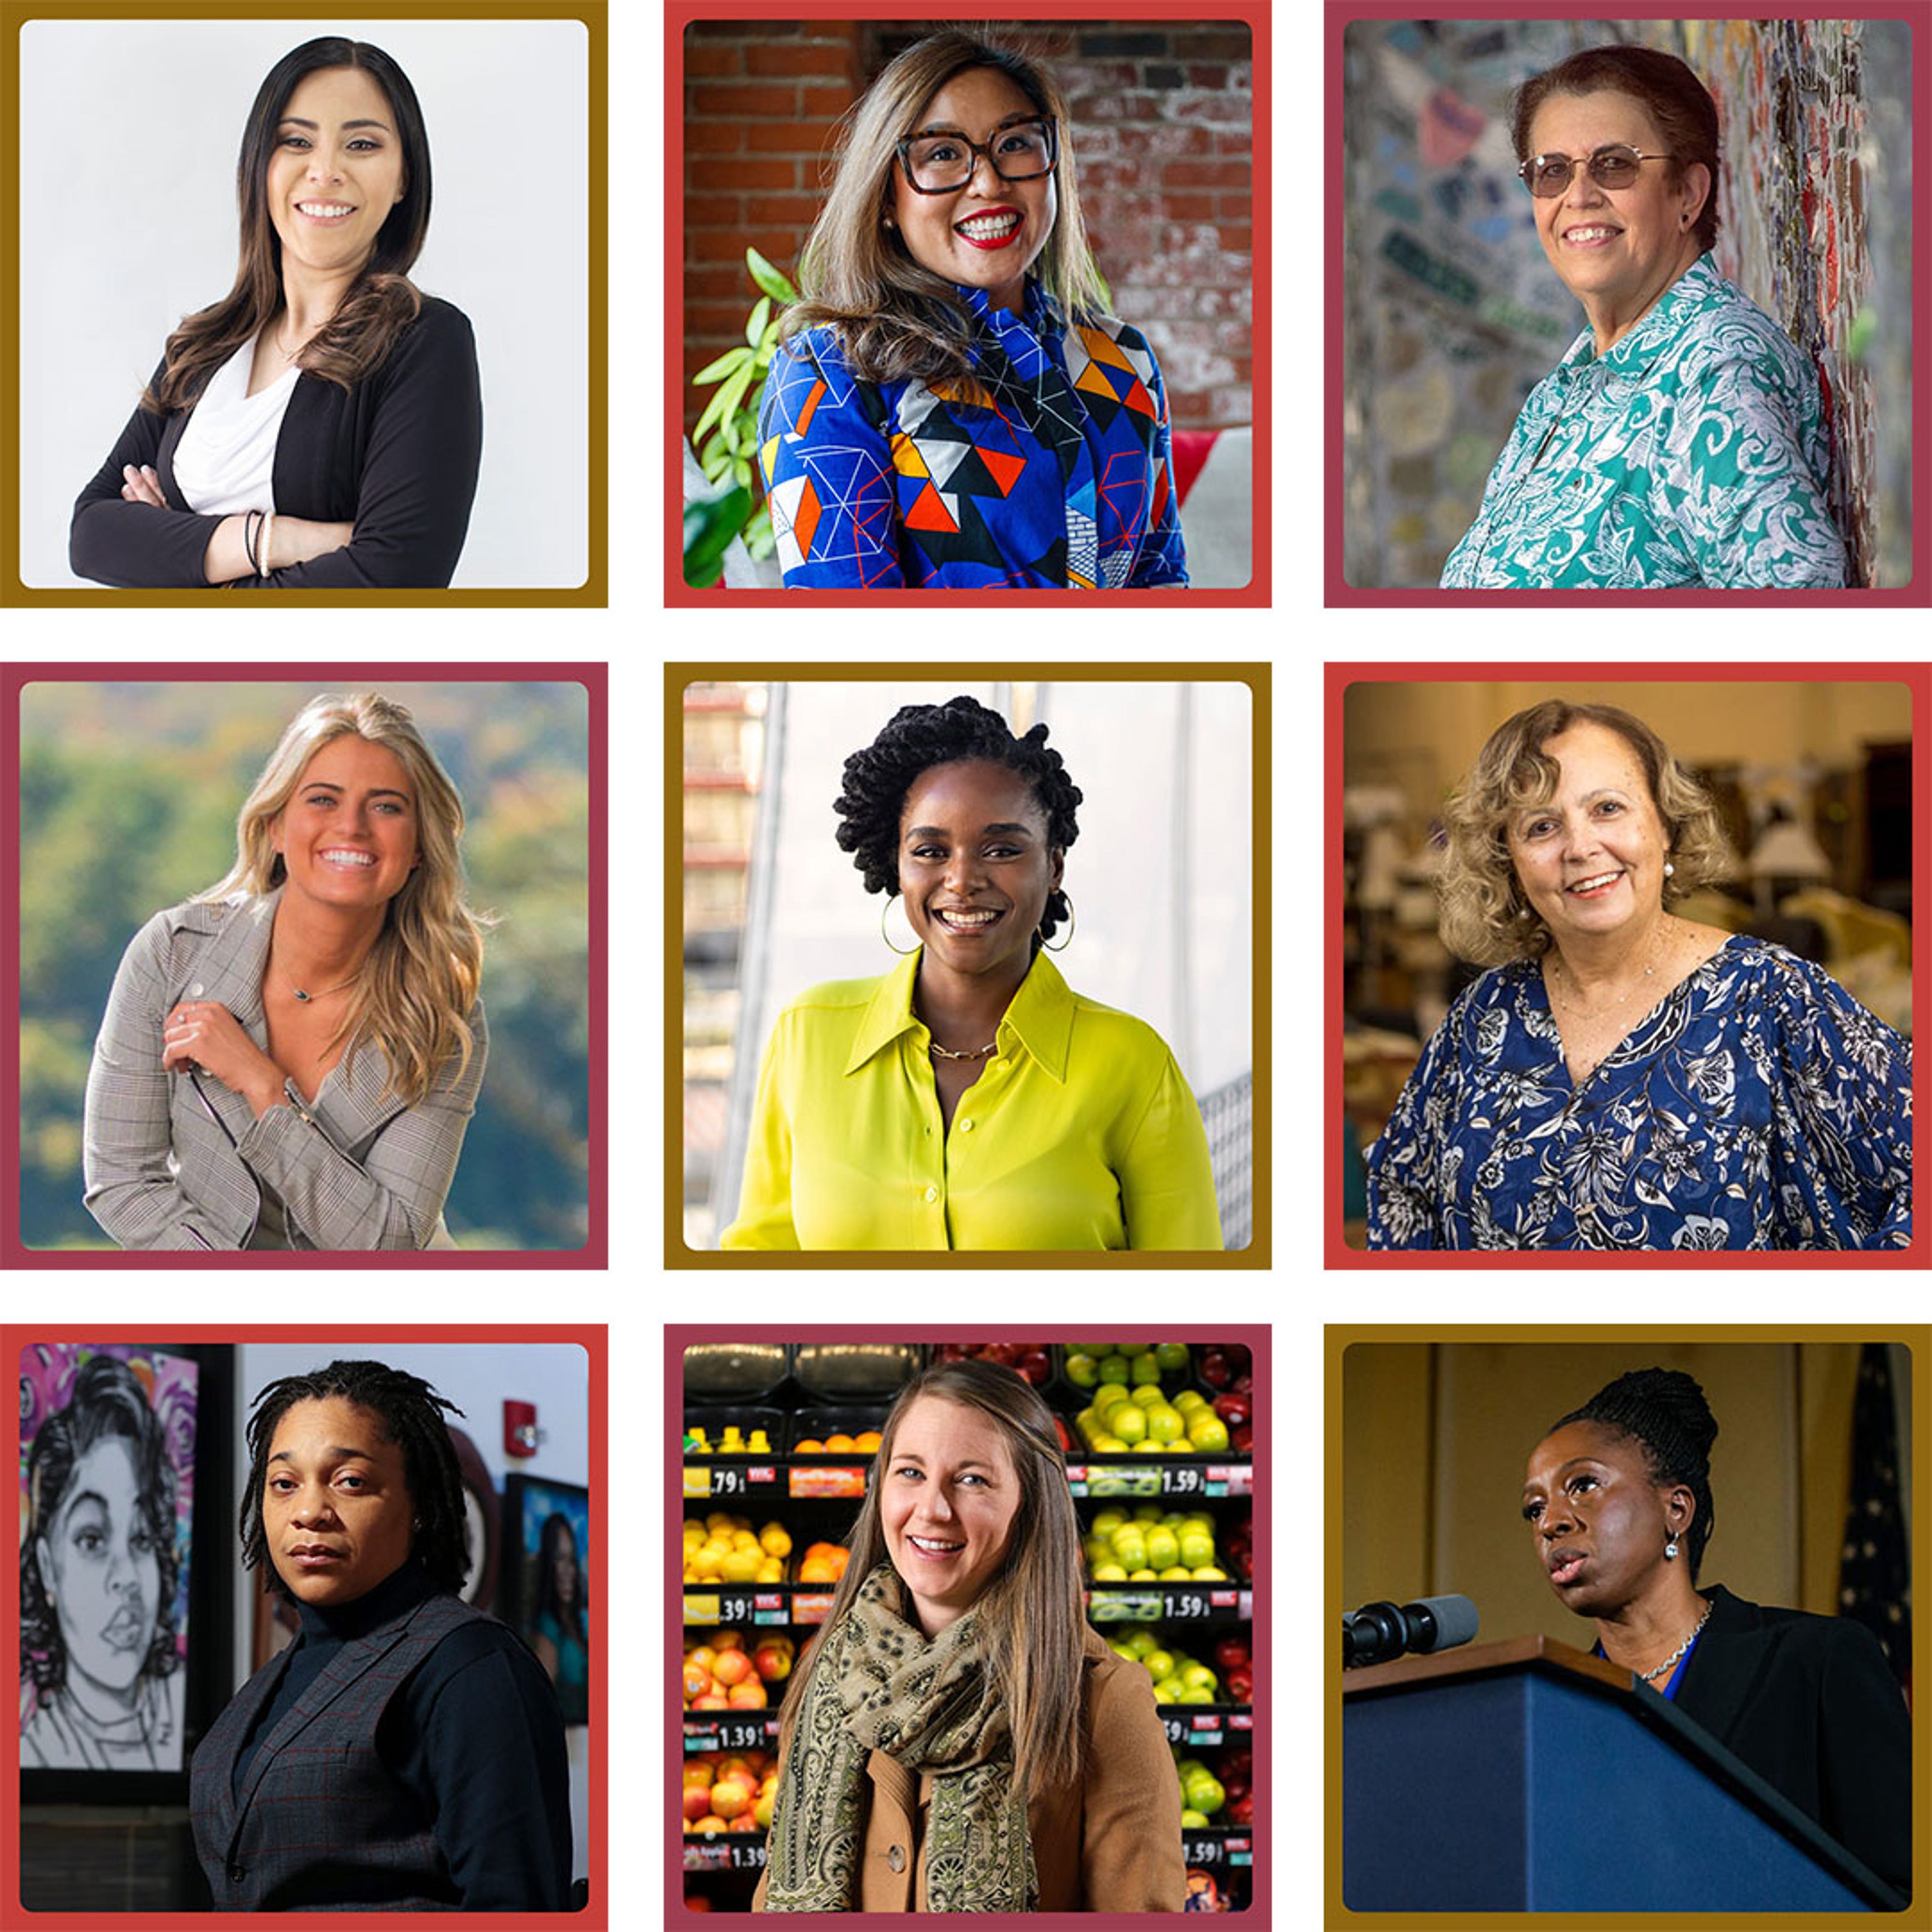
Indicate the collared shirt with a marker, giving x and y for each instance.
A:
(1759, 1106)
(1693, 453)
(1049, 468)
(1080, 1132)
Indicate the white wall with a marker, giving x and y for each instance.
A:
(128, 135)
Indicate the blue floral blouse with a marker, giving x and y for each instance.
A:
(1693, 453)
(1759, 1106)
(1052, 469)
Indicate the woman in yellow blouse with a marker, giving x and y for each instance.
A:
(969, 1099)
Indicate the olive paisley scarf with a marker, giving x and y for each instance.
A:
(881, 1686)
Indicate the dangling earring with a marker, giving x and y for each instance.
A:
(902, 951)
(1069, 939)
(1670, 1548)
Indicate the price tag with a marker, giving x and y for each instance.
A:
(1124, 1480)
(1176, 1729)
(735, 1606)
(1116, 1605)
(726, 1480)
(741, 1733)
(1180, 1479)
(1196, 1849)
(697, 1479)
(748, 1857)
(1187, 1606)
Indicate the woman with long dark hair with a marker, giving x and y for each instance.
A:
(98, 1571)
(320, 428)
(404, 1753)
(953, 407)
(557, 1633)
(957, 1739)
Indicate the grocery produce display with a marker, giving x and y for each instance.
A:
(1157, 1438)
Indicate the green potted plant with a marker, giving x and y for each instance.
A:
(726, 438)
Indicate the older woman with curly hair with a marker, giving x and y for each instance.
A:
(953, 408)
(1679, 442)
(1625, 1077)
(969, 1099)
(290, 1059)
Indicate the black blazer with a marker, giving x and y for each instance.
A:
(1811, 1705)
(396, 456)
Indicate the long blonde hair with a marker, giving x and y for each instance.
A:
(1485, 919)
(1032, 1615)
(413, 1000)
(894, 319)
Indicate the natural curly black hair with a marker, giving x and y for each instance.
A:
(109, 1401)
(1664, 1410)
(921, 735)
(412, 1414)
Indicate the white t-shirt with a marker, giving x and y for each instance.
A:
(225, 462)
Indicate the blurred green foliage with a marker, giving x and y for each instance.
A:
(128, 799)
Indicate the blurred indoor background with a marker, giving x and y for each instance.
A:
(129, 794)
(1453, 313)
(1810, 1479)
(1814, 782)
(1165, 897)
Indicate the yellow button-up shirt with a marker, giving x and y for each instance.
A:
(1079, 1133)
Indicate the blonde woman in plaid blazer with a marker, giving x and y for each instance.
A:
(290, 1060)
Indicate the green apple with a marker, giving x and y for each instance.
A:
(1083, 1370)
(1142, 1576)
(1206, 1572)
(1109, 1572)
(1176, 1572)
(1146, 1512)
(1128, 1422)
(1165, 1424)
(1172, 1356)
(1195, 1693)
(1180, 1446)
(1205, 1792)
(1146, 1369)
(1140, 1640)
(1116, 1369)
(1197, 1548)
(1193, 1821)
(1107, 1396)
(1208, 1433)
(1170, 1691)
(1189, 1400)
(1163, 1547)
(1159, 1663)
(1197, 1673)
(1108, 1445)
(1109, 1519)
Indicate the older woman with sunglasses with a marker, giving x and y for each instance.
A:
(952, 408)
(1680, 442)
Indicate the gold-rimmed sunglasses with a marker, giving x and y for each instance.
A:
(1613, 165)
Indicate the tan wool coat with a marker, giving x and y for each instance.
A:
(1109, 1842)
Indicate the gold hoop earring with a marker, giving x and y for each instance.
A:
(1069, 939)
(904, 952)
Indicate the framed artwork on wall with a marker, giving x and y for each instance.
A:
(123, 1626)
(545, 1575)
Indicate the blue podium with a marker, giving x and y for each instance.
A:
(1526, 1776)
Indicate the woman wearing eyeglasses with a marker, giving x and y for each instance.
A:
(1680, 442)
(952, 408)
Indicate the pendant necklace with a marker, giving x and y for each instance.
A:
(308, 999)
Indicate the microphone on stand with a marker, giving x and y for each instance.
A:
(1378, 1632)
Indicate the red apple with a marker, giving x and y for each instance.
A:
(745, 1821)
(1214, 1369)
(1242, 1440)
(697, 1801)
(1230, 1651)
(1241, 1810)
(1034, 1365)
(1241, 1683)
(772, 1663)
(1234, 1410)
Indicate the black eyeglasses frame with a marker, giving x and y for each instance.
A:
(1049, 121)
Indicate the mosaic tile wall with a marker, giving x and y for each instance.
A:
(1454, 314)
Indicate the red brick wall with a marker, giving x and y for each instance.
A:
(1162, 117)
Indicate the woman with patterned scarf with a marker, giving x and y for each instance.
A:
(957, 1739)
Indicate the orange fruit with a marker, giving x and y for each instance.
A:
(869, 1441)
(811, 1446)
(816, 1570)
(838, 1444)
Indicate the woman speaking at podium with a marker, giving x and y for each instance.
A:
(1618, 1499)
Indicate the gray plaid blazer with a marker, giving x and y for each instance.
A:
(320, 1824)
(172, 1159)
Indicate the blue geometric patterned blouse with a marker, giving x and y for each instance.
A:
(1759, 1106)
(1694, 453)
(1057, 474)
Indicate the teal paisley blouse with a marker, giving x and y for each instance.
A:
(1692, 454)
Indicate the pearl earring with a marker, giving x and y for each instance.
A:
(1669, 870)
(1670, 1548)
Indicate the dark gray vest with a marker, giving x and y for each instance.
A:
(319, 1824)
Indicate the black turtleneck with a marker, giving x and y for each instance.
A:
(474, 1737)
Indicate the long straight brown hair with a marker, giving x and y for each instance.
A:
(1032, 1615)
(894, 318)
(383, 301)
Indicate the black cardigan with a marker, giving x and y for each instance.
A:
(396, 456)
(1810, 1705)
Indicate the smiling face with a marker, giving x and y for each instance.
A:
(336, 1509)
(975, 868)
(948, 1495)
(1590, 860)
(986, 234)
(335, 173)
(1598, 1523)
(101, 1571)
(348, 834)
(1617, 249)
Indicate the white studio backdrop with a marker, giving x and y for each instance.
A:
(128, 136)
(479, 1377)
(1162, 876)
